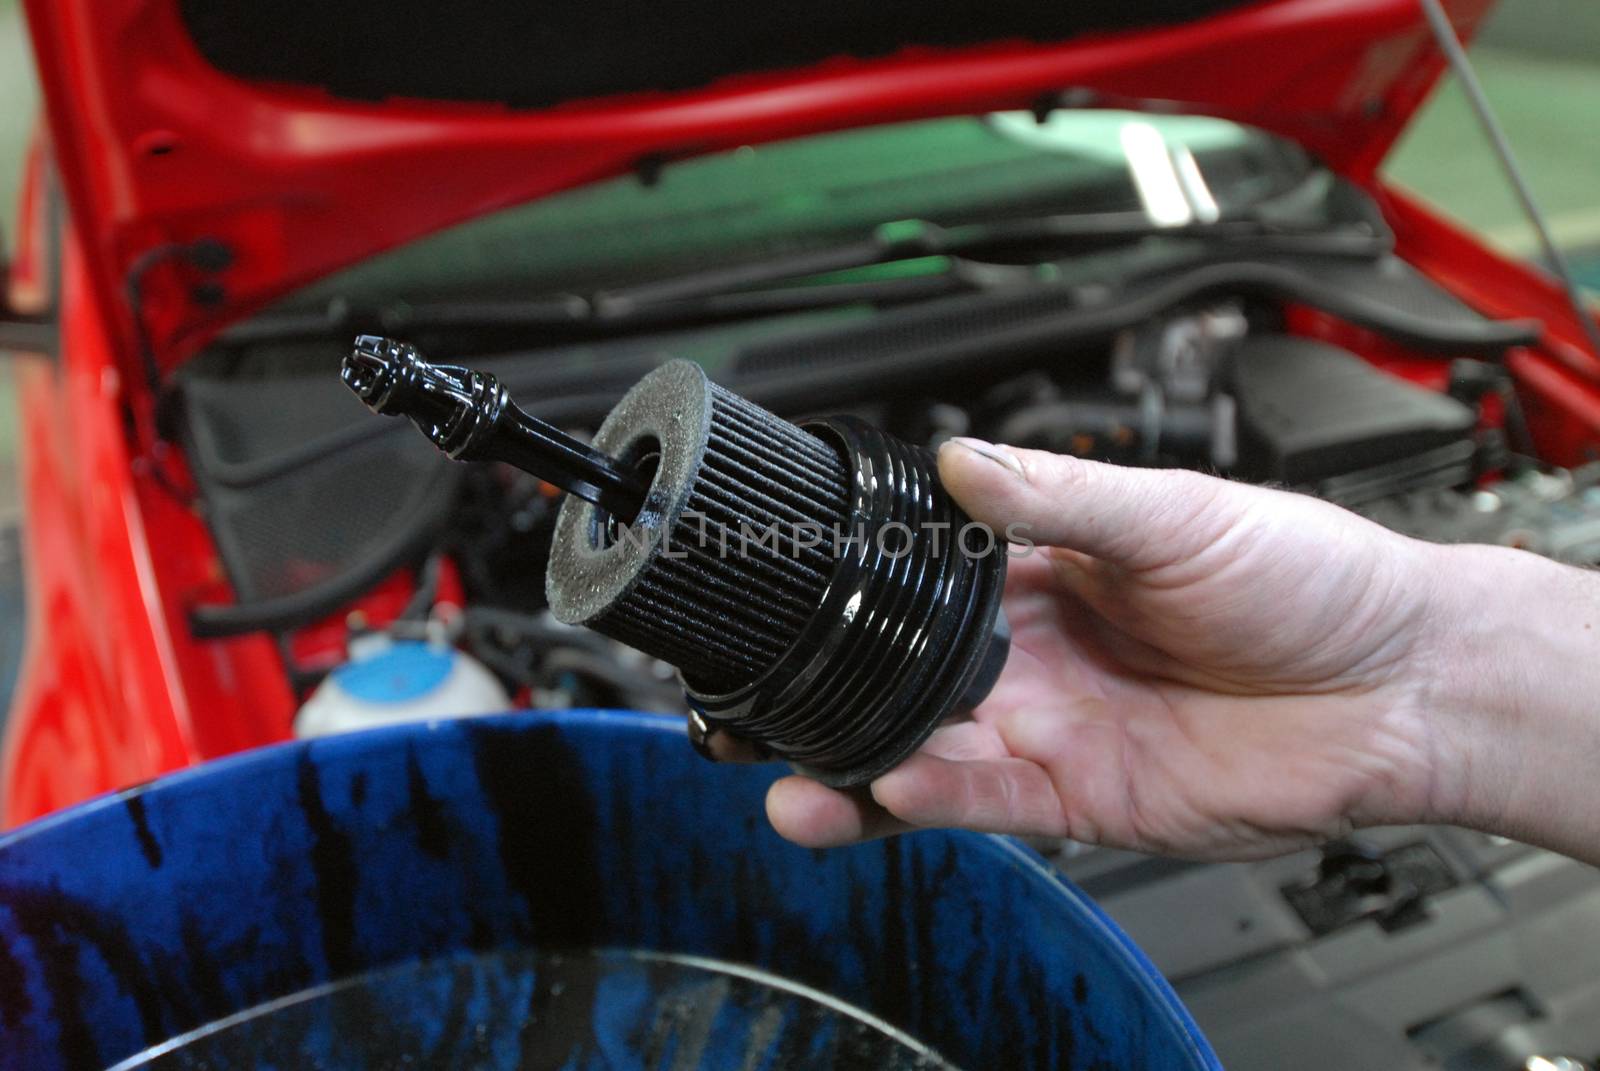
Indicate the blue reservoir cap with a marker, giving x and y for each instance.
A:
(405, 671)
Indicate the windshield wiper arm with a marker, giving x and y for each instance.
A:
(753, 287)
(628, 308)
(909, 239)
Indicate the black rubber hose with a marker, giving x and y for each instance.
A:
(406, 546)
(864, 360)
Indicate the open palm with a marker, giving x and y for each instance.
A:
(1198, 668)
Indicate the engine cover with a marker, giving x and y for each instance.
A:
(1315, 416)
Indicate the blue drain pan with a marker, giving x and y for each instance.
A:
(571, 890)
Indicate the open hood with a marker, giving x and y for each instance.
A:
(218, 153)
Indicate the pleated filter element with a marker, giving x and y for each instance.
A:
(751, 554)
(744, 533)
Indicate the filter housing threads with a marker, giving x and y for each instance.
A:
(809, 582)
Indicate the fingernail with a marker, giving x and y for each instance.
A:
(998, 454)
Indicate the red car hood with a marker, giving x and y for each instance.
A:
(291, 138)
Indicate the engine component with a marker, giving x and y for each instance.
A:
(1497, 1031)
(815, 587)
(1137, 432)
(1412, 948)
(1315, 416)
(564, 667)
(1181, 355)
(389, 681)
(1353, 882)
(1159, 405)
(1555, 513)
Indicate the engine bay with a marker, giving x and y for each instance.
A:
(316, 511)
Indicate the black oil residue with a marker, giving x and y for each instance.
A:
(333, 865)
(426, 811)
(149, 847)
(534, 784)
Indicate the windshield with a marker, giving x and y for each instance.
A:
(812, 192)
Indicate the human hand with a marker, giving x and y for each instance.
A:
(1198, 667)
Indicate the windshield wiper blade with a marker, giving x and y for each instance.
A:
(602, 312)
(755, 287)
(909, 239)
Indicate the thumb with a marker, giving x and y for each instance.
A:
(1136, 518)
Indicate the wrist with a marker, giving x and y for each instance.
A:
(1512, 695)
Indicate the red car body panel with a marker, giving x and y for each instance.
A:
(113, 689)
(154, 147)
(157, 147)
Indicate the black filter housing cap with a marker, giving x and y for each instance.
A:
(842, 636)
